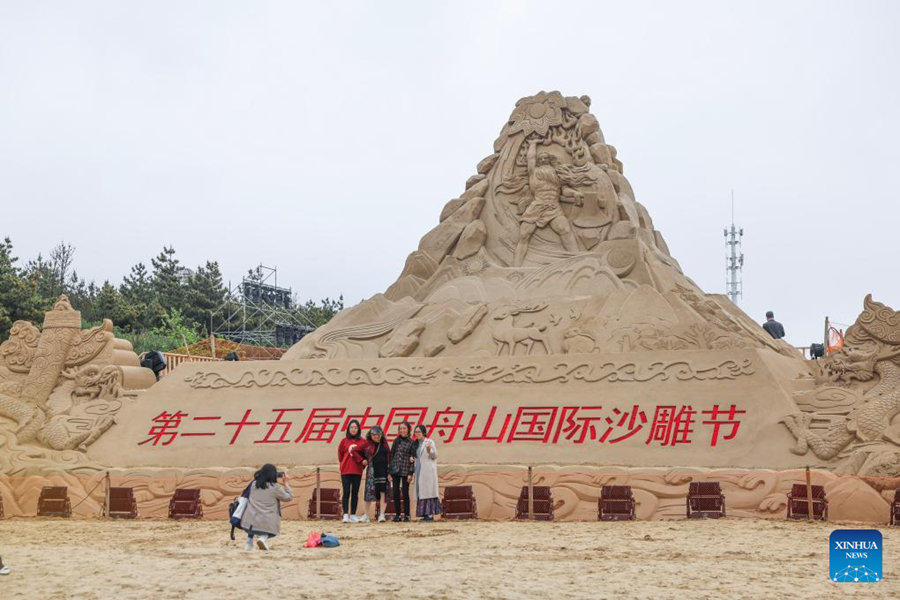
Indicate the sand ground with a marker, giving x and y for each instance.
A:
(150, 559)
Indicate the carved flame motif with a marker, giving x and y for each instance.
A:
(881, 321)
(537, 114)
(18, 351)
(89, 343)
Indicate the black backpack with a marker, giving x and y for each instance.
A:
(231, 508)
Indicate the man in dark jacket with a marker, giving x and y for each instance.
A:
(773, 327)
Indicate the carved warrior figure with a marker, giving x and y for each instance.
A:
(544, 208)
(872, 350)
(63, 402)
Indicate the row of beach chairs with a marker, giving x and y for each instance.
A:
(616, 503)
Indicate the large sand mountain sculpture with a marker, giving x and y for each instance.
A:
(546, 252)
(542, 322)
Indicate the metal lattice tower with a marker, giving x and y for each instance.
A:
(258, 312)
(734, 259)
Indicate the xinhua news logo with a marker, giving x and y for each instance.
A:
(855, 556)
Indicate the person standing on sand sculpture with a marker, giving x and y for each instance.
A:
(544, 209)
(773, 327)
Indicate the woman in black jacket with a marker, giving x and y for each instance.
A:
(401, 469)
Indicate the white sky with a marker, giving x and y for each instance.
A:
(324, 138)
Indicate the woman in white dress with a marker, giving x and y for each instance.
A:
(428, 495)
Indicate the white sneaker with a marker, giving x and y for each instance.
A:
(354, 519)
(381, 518)
(262, 542)
(346, 518)
(248, 545)
(4, 571)
(365, 518)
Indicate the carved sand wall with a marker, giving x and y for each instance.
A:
(659, 493)
(542, 322)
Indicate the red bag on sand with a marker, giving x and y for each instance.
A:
(314, 539)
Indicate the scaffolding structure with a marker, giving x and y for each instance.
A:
(258, 312)
(734, 259)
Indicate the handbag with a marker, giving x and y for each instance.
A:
(236, 509)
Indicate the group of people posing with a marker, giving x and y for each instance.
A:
(411, 456)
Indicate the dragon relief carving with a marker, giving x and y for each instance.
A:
(63, 402)
(868, 434)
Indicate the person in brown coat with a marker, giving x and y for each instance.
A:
(262, 516)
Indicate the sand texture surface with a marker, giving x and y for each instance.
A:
(151, 559)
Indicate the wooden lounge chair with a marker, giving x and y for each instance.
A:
(895, 509)
(122, 504)
(543, 503)
(459, 502)
(798, 505)
(705, 500)
(331, 504)
(616, 503)
(185, 504)
(54, 502)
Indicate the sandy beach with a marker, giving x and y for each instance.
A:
(156, 559)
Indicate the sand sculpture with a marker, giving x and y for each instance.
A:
(542, 322)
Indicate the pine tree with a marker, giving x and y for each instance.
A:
(168, 283)
(206, 293)
(19, 297)
(319, 314)
(107, 304)
(140, 308)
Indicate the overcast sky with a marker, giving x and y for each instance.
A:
(324, 138)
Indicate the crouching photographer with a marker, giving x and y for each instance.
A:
(262, 515)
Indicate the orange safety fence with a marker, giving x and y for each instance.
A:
(835, 339)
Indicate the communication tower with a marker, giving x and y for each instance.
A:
(734, 259)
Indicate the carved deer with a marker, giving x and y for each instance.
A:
(508, 336)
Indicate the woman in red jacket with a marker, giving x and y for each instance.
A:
(351, 461)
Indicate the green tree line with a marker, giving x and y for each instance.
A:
(160, 307)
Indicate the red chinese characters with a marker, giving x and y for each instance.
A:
(532, 424)
(629, 424)
(281, 425)
(716, 420)
(166, 426)
(322, 425)
(671, 425)
(578, 423)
